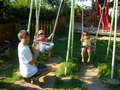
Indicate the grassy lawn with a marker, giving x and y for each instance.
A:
(10, 73)
(73, 84)
(98, 60)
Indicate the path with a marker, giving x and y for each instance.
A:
(88, 74)
(46, 82)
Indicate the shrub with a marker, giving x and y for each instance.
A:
(104, 70)
(72, 69)
(20, 10)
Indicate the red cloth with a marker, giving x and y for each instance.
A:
(42, 40)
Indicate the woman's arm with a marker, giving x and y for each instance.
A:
(36, 40)
(36, 52)
(33, 60)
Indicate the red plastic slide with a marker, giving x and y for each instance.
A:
(105, 21)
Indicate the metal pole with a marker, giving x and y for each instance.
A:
(36, 5)
(30, 16)
(37, 19)
(114, 44)
(69, 38)
(108, 47)
(82, 19)
(72, 38)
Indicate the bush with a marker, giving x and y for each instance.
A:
(20, 10)
(72, 69)
(104, 70)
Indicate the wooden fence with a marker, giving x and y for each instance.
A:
(9, 31)
(44, 25)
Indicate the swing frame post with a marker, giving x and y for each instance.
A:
(72, 38)
(108, 47)
(82, 19)
(38, 15)
(30, 16)
(36, 5)
(114, 44)
(69, 38)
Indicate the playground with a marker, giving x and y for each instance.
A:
(72, 45)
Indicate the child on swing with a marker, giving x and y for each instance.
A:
(86, 45)
(43, 43)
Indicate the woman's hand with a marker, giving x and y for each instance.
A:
(36, 50)
(34, 40)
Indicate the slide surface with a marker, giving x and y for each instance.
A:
(105, 21)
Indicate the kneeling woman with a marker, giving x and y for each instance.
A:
(27, 60)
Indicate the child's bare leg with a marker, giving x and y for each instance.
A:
(89, 55)
(82, 54)
(49, 48)
(50, 53)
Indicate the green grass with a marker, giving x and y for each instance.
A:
(3, 60)
(10, 73)
(98, 59)
(73, 68)
(73, 84)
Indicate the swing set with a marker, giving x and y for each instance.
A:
(70, 45)
(38, 4)
(44, 70)
(71, 34)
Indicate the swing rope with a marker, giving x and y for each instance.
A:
(30, 16)
(114, 44)
(108, 47)
(56, 21)
(98, 29)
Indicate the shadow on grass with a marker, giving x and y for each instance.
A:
(68, 84)
(12, 67)
(10, 86)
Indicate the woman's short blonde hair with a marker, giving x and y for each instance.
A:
(22, 34)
